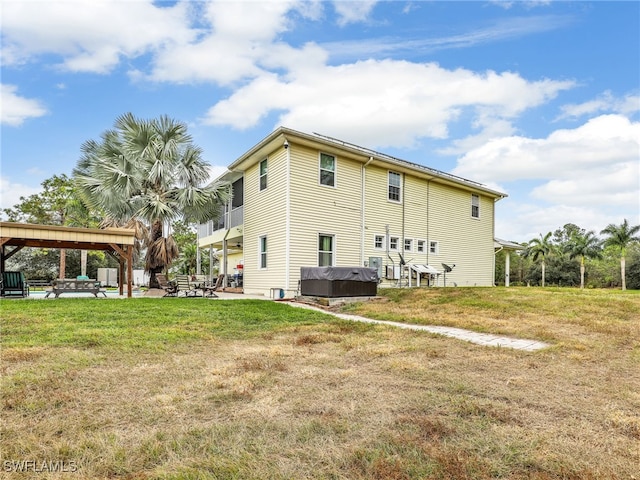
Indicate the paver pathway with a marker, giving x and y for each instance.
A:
(485, 339)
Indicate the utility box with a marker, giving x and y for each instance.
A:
(108, 277)
(335, 282)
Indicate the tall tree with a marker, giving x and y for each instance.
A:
(620, 237)
(539, 248)
(48, 207)
(148, 173)
(583, 245)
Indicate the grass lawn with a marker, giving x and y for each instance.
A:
(167, 388)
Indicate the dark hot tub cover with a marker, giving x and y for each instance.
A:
(356, 274)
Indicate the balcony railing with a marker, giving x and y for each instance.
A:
(227, 220)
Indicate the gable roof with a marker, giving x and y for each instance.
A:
(279, 136)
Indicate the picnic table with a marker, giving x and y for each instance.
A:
(74, 285)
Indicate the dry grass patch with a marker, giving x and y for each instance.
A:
(330, 400)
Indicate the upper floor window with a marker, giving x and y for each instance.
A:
(420, 246)
(395, 192)
(378, 242)
(475, 206)
(393, 243)
(327, 170)
(325, 250)
(263, 252)
(433, 247)
(263, 174)
(408, 245)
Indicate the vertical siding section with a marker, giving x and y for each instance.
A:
(431, 211)
(464, 241)
(265, 214)
(317, 209)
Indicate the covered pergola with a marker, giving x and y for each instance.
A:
(117, 242)
(508, 247)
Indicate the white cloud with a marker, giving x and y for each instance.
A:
(587, 174)
(353, 12)
(16, 109)
(10, 193)
(89, 36)
(369, 101)
(606, 102)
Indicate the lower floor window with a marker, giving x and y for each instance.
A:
(263, 252)
(325, 250)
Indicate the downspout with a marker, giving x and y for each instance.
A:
(362, 215)
(287, 241)
(224, 258)
(428, 245)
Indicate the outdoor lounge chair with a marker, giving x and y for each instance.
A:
(14, 285)
(170, 289)
(186, 287)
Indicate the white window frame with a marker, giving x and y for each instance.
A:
(475, 206)
(334, 171)
(375, 242)
(389, 186)
(333, 249)
(396, 240)
(265, 174)
(262, 254)
(434, 247)
(404, 245)
(420, 246)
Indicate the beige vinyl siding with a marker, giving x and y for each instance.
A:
(431, 211)
(319, 209)
(265, 214)
(464, 241)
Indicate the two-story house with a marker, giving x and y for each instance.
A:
(308, 200)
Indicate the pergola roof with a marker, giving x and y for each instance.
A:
(116, 241)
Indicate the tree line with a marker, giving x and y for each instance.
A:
(573, 256)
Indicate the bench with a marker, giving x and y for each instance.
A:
(13, 284)
(39, 283)
(73, 285)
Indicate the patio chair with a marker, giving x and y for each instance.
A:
(185, 286)
(171, 289)
(14, 285)
(209, 290)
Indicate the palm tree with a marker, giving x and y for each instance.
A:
(619, 237)
(539, 248)
(584, 245)
(145, 174)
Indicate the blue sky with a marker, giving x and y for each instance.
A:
(538, 99)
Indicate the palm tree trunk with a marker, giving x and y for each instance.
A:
(543, 274)
(582, 273)
(623, 273)
(156, 233)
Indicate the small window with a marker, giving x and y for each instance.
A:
(408, 245)
(263, 252)
(378, 242)
(420, 246)
(263, 174)
(475, 206)
(433, 247)
(395, 194)
(393, 243)
(327, 170)
(325, 250)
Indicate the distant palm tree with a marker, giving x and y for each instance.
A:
(145, 174)
(539, 248)
(584, 245)
(619, 237)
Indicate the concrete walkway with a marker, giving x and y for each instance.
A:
(485, 339)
